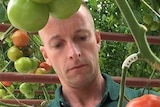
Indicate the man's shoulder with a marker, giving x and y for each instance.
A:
(53, 103)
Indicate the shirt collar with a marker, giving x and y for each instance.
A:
(112, 90)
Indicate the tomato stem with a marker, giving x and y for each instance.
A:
(3, 69)
(125, 66)
(154, 2)
(7, 32)
(139, 34)
(45, 92)
(122, 87)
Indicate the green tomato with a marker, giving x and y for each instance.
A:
(25, 88)
(147, 19)
(1, 86)
(10, 89)
(62, 9)
(30, 95)
(35, 86)
(14, 53)
(2, 92)
(42, 1)
(154, 26)
(40, 71)
(34, 63)
(8, 97)
(23, 64)
(27, 15)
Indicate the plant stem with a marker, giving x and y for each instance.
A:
(122, 86)
(125, 66)
(155, 12)
(7, 32)
(45, 92)
(3, 69)
(139, 34)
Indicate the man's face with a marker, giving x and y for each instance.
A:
(71, 46)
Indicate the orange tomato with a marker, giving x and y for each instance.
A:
(45, 65)
(20, 38)
(6, 83)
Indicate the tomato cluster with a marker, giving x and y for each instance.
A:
(32, 15)
(152, 23)
(6, 87)
(28, 89)
(22, 55)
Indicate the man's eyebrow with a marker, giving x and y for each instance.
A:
(82, 30)
(54, 37)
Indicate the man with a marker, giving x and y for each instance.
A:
(71, 46)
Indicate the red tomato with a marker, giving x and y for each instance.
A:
(6, 83)
(45, 65)
(147, 100)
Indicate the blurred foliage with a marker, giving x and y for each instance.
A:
(108, 18)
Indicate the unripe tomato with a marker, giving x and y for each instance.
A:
(62, 9)
(28, 51)
(29, 95)
(25, 88)
(154, 26)
(34, 63)
(7, 97)
(23, 64)
(14, 53)
(3, 92)
(147, 100)
(40, 71)
(147, 19)
(27, 15)
(42, 1)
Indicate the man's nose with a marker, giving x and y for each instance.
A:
(74, 51)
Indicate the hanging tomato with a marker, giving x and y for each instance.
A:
(147, 100)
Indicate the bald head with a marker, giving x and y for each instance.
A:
(83, 14)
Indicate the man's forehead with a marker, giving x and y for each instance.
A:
(80, 17)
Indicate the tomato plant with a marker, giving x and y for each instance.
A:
(27, 15)
(28, 89)
(147, 100)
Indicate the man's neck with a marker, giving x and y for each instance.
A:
(88, 96)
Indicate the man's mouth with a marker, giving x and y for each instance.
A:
(77, 67)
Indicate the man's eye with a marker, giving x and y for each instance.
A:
(83, 38)
(58, 45)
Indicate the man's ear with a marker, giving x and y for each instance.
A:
(98, 39)
(45, 56)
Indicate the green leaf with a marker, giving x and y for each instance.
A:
(93, 2)
(2, 13)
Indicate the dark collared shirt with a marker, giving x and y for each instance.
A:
(110, 97)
